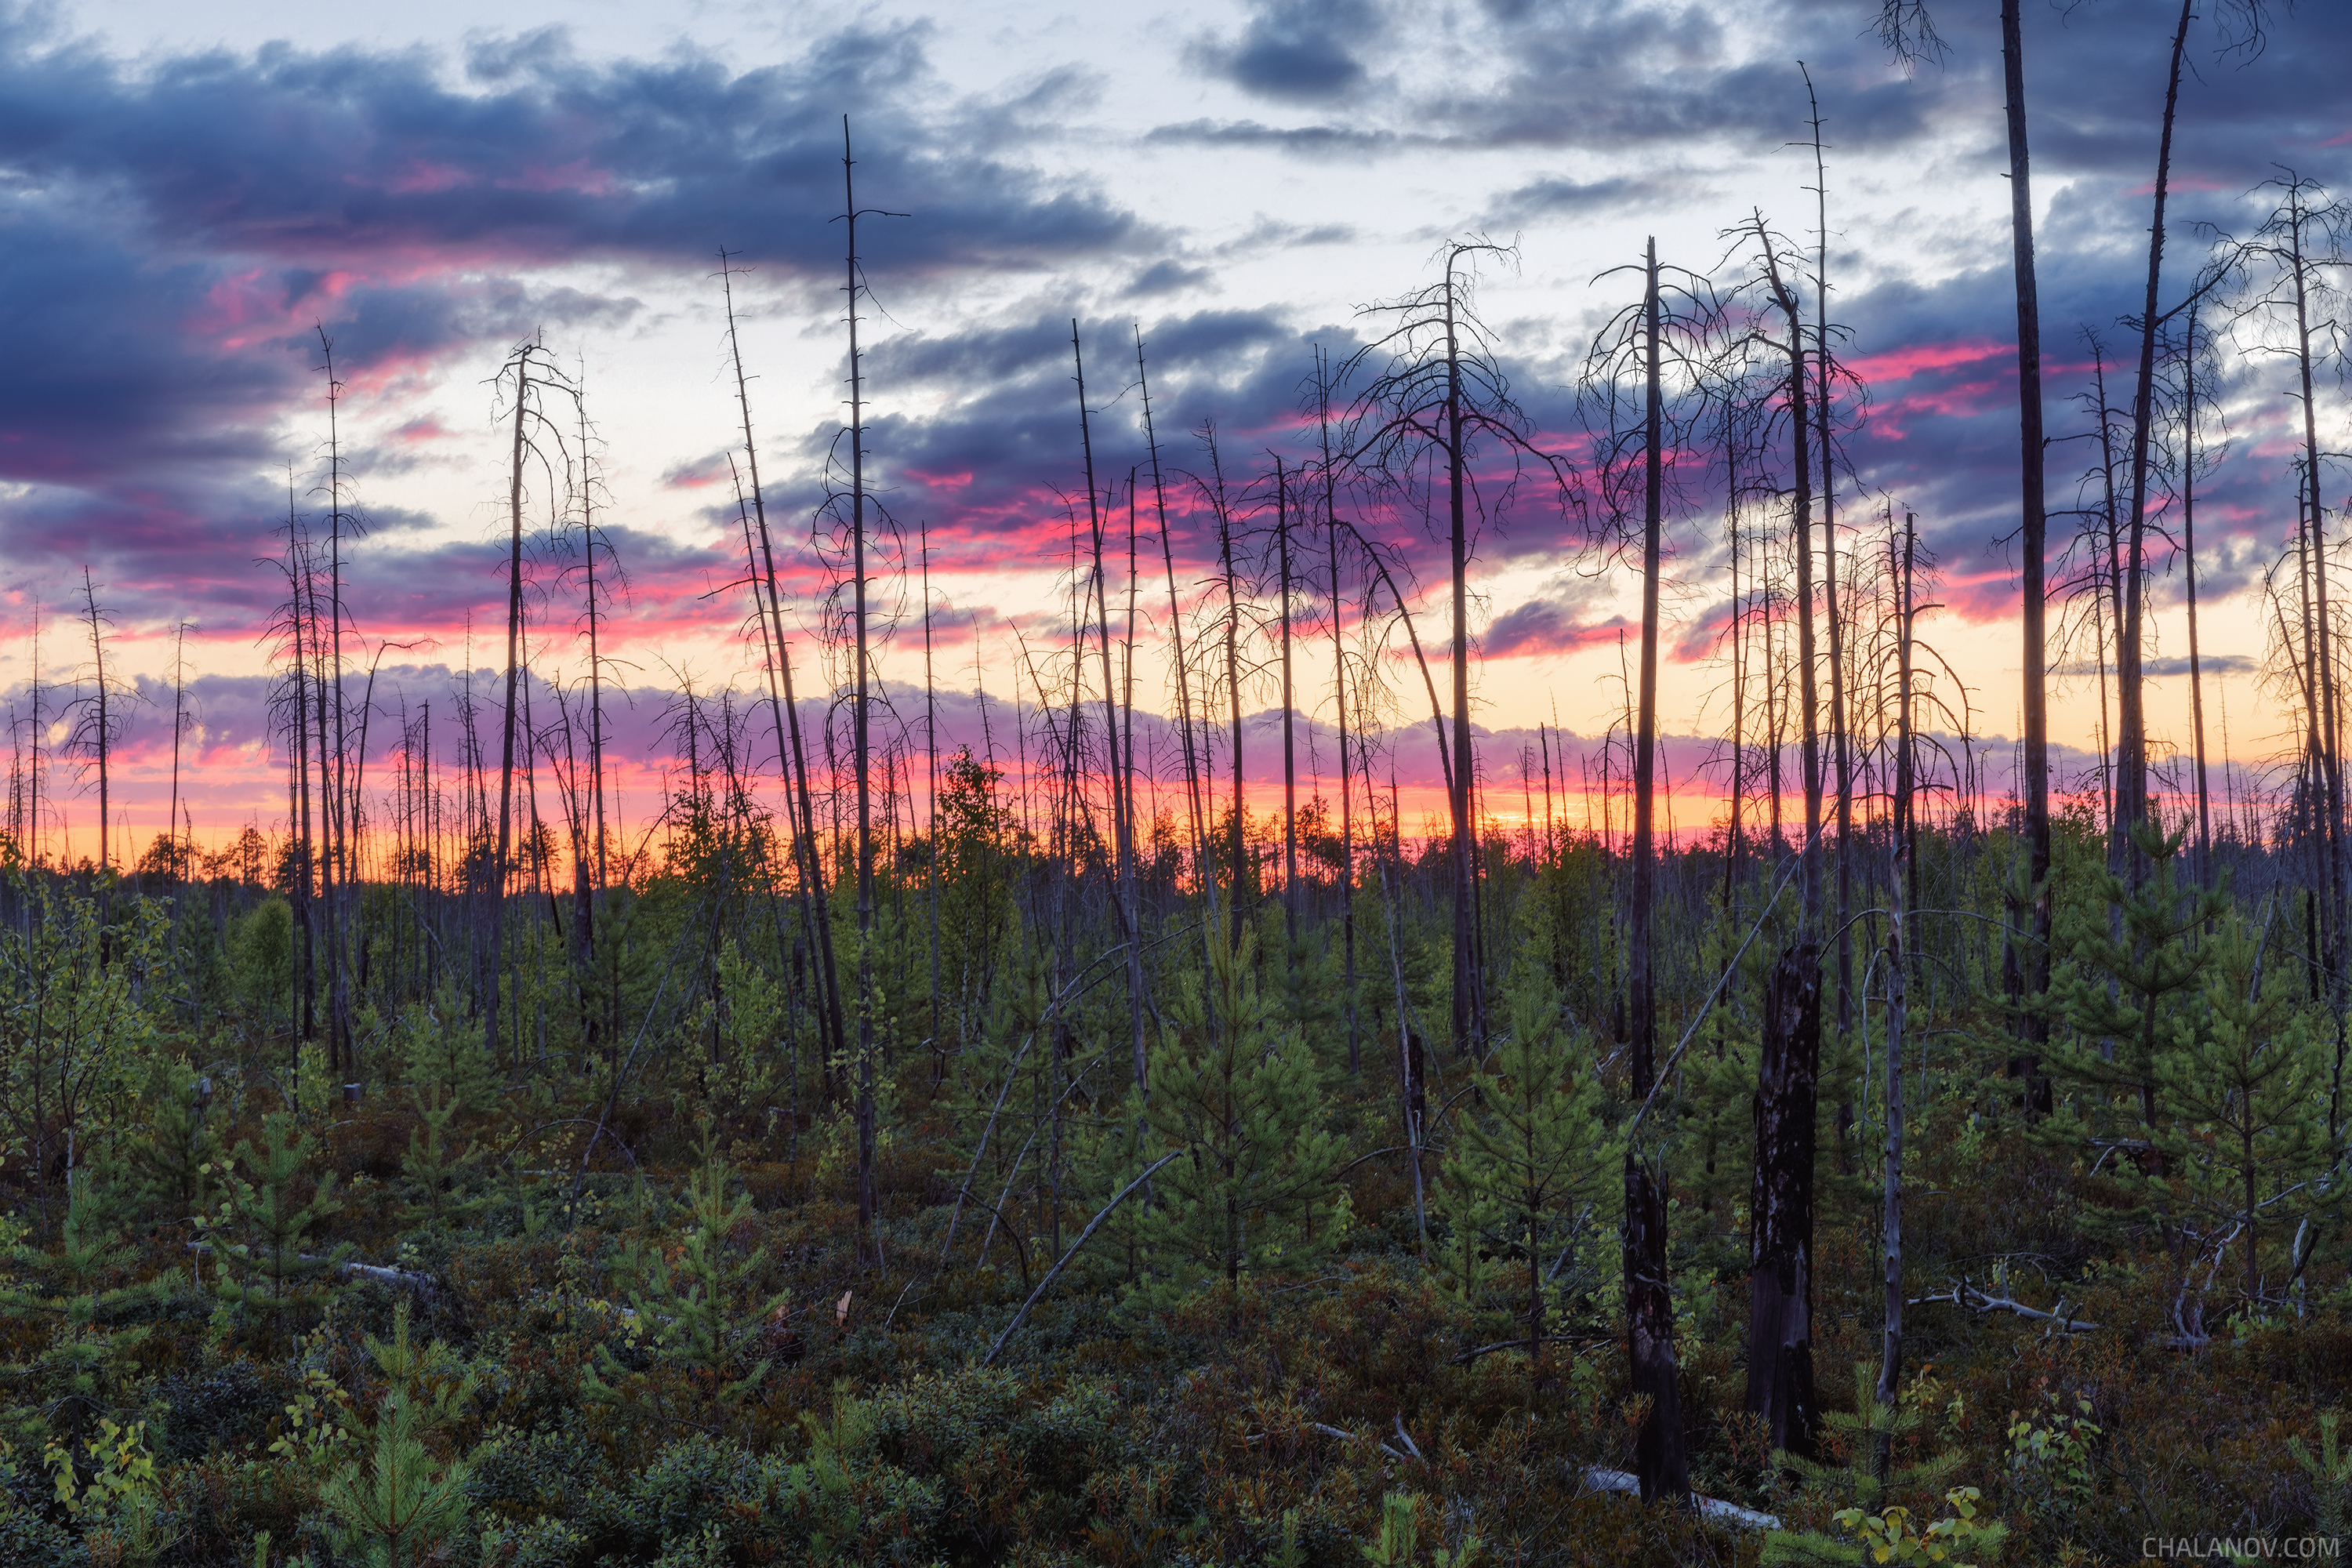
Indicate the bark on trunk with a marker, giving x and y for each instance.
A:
(2131, 791)
(2026, 974)
(1660, 1459)
(1780, 1204)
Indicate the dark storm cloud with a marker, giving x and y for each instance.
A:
(994, 465)
(1314, 140)
(319, 159)
(996, 468)
(1641, 79)
(171, 233)
(1564, 197)
(1167, 278)
(1297, 50)
(2210, 666)
(1548, 624)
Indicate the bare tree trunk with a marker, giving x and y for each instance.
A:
(329, 813)
(1838, 738)
(496, 878)
(344, 806)
(1289, 744)
(932, 806)
(296, 568)
(1121, 808)
(2027, 974)
(1780, 1204)
(1340, 696)
(1649, 1305)
(1193, 762)
(1239, 847)
(1469, 994)
(868, 1233)
(1801, 534)
(1734, 847)
(183, 854)
(1890, 1366)
(1412, 1103)
(1126, 765)
(792, 755)
(98, 732)
(2326, 718)
(2188, 561)
(587, 881)
(2131, 794)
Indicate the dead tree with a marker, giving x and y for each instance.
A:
(1780, 1204)
(791, 753)
(1435, 399)
(2131, 792)
(861, 714)
(1841, 742)
(2302, 245)
(1908, 31)
(533, 377)
(1890, 1364)
(1347, 869)
(1626, 370)
(1782, 297)
(1121, 808)
(98, 718)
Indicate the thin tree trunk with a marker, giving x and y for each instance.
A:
(1289, 744)
(345, 803)
(99, 733)
(1800, 450)
(1780, 1204)
(305, 1022)
(2027, 974)
(1890, 1366)
(2188, 563)
(1193, 762)
(1238, 847)
(587, 882)
(2131, 794)
(1121, 808)
(786, 712)
(1664, 1470)
(932, 806)
(1733, 845)
(1843, 761)
(1339, 697)
(869, 1234)
(496, 878)
(2326, 719)
(1469, 1000)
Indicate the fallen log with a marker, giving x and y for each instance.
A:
(1604, 1481)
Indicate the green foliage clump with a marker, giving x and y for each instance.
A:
(693, 1308)
(435, 1050)
(1242, 1098)
(1530, 1157)
(396, 1502)
(276, 1199)
(74, 1032)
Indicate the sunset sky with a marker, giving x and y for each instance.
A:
(190, 192)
